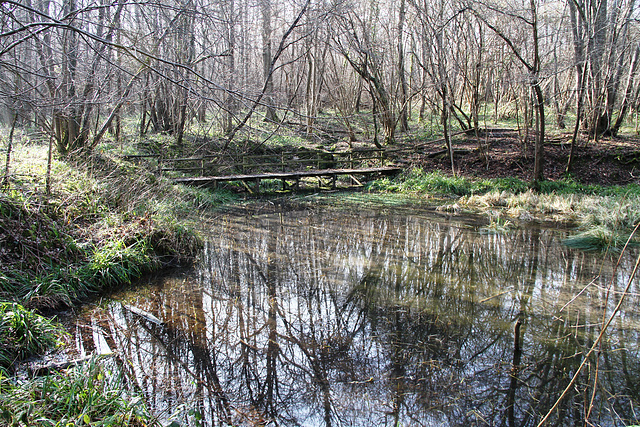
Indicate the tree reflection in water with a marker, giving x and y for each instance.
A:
(362, 318)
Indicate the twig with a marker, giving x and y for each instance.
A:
(497, 295)
(596, 343)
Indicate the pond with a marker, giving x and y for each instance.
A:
(362, 317)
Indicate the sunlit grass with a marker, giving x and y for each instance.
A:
(610, 211)
(87, 395)
(417, 181)
(23, 333)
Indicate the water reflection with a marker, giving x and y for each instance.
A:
(362, 318)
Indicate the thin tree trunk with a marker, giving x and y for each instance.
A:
(445, 128)
(581, 90)
(7, 163)
(626, 101)
(230, 102)
(49, 164)
(404, 122)
(267, 60)
(538, 168)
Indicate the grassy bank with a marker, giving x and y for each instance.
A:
(604, 217)
(93, 225)
(91, 394)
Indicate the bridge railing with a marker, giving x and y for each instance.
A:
(219, 165)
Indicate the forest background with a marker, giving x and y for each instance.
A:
(76, 71)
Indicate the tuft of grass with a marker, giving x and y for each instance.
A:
(116, 262)
(497, 225)
(599, 238)
(85, 395)
(23, 333)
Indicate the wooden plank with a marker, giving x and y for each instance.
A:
(139, 156)
(142, 314)
(285, 161)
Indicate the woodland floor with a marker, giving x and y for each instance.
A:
(609, 161)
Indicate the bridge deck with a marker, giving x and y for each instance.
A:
(296, 176)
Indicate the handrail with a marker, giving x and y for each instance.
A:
(282, 162)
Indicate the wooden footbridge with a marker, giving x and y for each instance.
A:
(290, 168)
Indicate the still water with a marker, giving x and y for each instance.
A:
(372, 318)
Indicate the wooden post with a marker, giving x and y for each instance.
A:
(333, 181)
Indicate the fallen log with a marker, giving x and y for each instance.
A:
(143, 314)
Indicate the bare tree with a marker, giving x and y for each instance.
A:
(602, 39)
(404, 99)
(531, 60)
(356, 41)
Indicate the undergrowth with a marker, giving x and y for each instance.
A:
(23, 332)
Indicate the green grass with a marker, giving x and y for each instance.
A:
(50, 265)
(604, 216)
(87, 395)
(417, 181)
(23, 332)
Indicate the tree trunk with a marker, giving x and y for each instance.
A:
(7, 163)
(538, 168)
(267, 59)
(404, 122)
(627, 100)
(231, 106)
